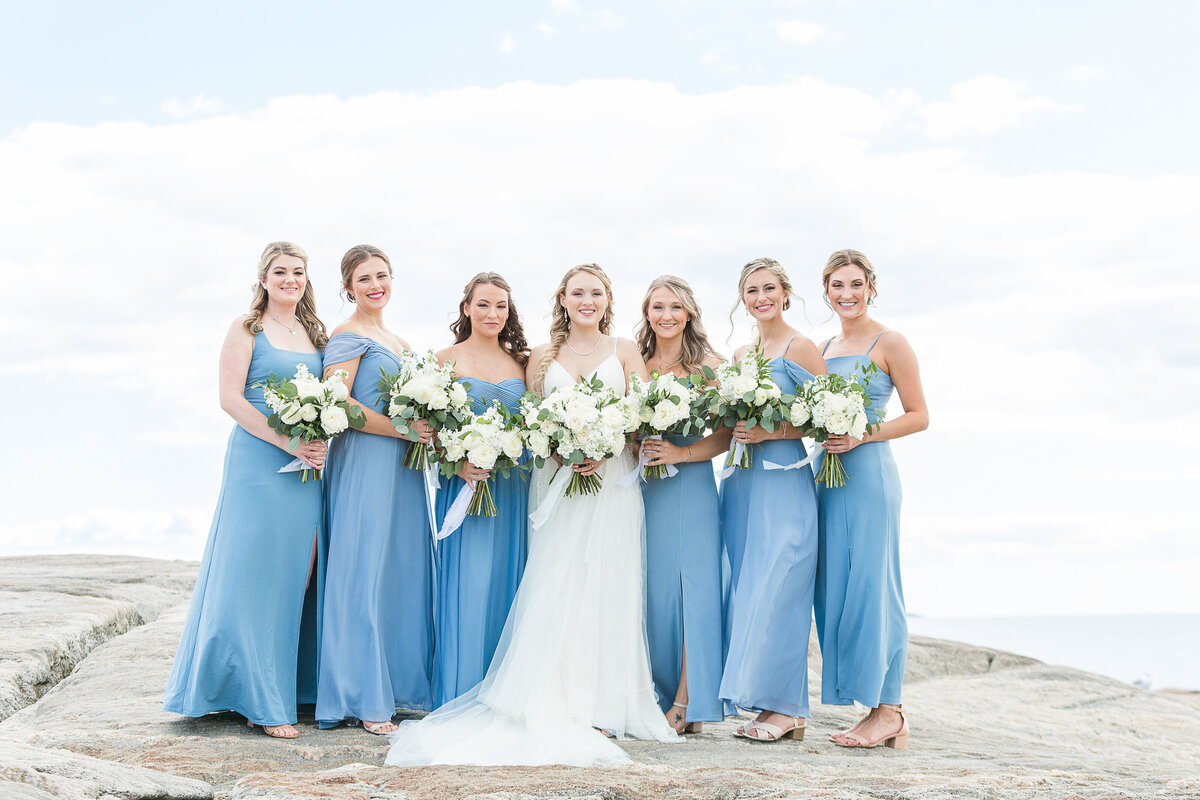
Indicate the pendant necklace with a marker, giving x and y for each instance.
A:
(290, 330)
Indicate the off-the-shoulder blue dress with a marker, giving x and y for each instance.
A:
(240, 643)
(479, 565)
(377, 619)
(769, 525)
(860, 601)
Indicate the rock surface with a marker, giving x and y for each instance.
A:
(985, 724)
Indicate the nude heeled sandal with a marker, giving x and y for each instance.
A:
(897, 740)
(773, 732)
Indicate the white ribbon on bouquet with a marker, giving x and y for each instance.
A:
(555, 492)
(457, 512)
(295, 465)
(644, 461)
(817, 449)
(738, 449)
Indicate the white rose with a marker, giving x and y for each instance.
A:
(838, 424)
(858, 427)
(438, 400)
(308, 412)
(798, 415)
(484, 456)
(614, 416)
(665, 415)
(420, 389)
(453, 449)
(307, 387)
(513, 446)
(334, 421)
(337, 389)
(458, 395)
(291, 414)
(539, 443)
(761, 396)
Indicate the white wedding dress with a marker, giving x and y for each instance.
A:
(573, 654)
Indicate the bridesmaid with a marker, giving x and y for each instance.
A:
(683, 541)
(377, 622)
(480, 564)
(860, 605)
(769, 523)
(240, 643)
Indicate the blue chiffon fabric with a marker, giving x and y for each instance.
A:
(479, 565)
(377, 619)
(683, 586)
(241, 645)
(860, 612)
(769, 525)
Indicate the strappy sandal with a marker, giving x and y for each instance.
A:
(773, 732)
(277, 731)
(897, 740)
(688, 727)
(377, 727)
(861, 719)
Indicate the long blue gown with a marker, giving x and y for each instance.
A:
(377, 620)
(479, 565)
(769, 524)
(859, 602)
(683, 585)
(240, 643)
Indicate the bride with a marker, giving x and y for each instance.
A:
(572, 663)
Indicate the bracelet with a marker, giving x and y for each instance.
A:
(689, 447)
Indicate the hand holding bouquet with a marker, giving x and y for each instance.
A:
(426, 390)
(490, 441)
(305, 409)
(578, 422)
(833, 405)
(745, 392)
(667, 405)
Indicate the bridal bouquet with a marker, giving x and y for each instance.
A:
(832, 405)
(305, 408)
(667, 405)
(424, 389)
(746, 392)
(578, 422)
(491, 440)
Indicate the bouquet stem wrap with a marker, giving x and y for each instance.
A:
(643, 471)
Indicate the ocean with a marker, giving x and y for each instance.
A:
(1155, 651)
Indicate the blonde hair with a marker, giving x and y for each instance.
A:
(695, 341)
(306, 309)
(512, 335)
(560, 320)
(355, 256)
(847, 258)
(776, 269)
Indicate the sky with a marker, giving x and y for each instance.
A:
(1023, 176)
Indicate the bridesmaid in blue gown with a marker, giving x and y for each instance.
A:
(377, 620)
(860, 602)
(684, 623)
(480, 564)
(769, 524)
(241, 642)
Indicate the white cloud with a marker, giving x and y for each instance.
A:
(507, 44)
(611, 20)
(565, 5)
(1086, 73)
(545, 29)
(799, 31)
(982, 105)
(181, 109)
(714, 55)
(1015, 290)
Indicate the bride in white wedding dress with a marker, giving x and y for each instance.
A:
(573, 657)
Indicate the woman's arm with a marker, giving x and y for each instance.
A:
(900, 362)
(236, 353)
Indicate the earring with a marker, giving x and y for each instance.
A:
(350, 297)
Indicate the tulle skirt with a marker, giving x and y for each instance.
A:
(573, 653)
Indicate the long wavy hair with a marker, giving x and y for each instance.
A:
(772, 266)
(560, 320)
(512, 335)
(845, 258)
(696, 347)
(306, 309)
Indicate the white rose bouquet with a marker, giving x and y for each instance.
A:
(667, 405)
(746, 392)
(833, 405)
(578, 422)
(492, 441)
(305, 408)
(426, 390)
